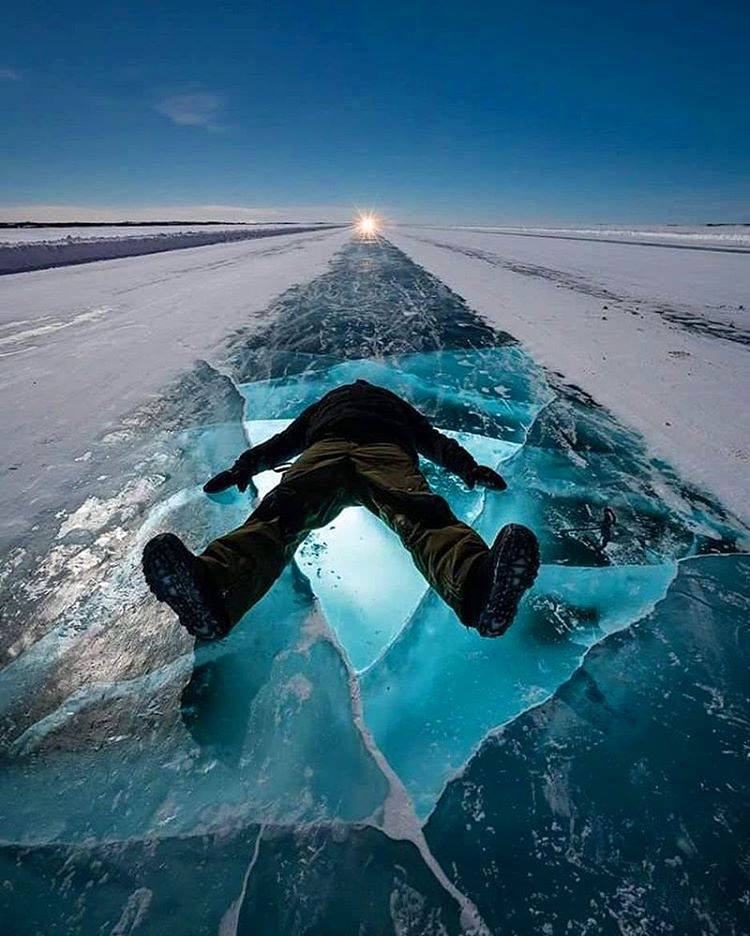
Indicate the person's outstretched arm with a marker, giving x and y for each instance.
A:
(453, 457)
(274, 451)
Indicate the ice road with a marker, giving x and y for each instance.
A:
(350, 759)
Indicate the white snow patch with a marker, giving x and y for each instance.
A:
(84, 370)
(23, 251)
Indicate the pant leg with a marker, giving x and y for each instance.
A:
(246, 562)
(450, 555)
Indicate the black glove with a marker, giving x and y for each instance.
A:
(240, 474)
(487, 477)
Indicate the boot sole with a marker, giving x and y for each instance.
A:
(168, 567)
(516, 567)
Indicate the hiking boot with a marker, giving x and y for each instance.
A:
(175, 576)
(513, 566)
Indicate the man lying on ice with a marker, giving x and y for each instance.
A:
(359, 445)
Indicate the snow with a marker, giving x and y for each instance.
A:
(59, 235)
(27, 250)
(658, 336)
(702, 236)
(82, 346)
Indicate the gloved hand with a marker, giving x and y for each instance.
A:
(240, 474)
(486, 477)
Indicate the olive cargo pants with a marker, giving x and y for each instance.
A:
(328, 476)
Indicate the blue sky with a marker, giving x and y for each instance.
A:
(496, 112)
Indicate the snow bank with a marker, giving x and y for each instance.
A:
(80, 348)
(659, 337)
(21, 254)
(86, 232)
(729, 237)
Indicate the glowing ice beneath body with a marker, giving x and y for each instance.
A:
(433, 693)
(431, 690)
(365, 581)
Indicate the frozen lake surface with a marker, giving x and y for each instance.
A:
(351, 759)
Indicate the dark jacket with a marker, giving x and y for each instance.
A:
(361, 412)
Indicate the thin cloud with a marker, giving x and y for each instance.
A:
(199, 109)
(9, 74)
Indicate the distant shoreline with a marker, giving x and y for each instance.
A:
(6, 225)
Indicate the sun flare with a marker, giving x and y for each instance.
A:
(367, 225)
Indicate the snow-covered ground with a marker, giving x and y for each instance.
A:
(28, 249)
(659, 336)
(81, 346)
(700, 236)
(24, 235)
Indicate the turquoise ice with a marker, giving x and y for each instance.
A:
(349, 735)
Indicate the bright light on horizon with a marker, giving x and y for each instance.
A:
(367, 225)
